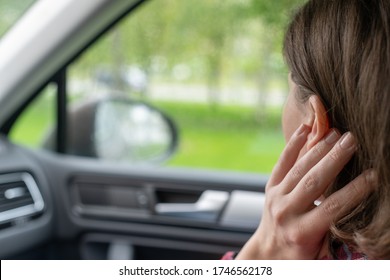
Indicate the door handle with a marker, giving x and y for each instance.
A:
(207, 207)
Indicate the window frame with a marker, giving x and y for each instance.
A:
(60, 80)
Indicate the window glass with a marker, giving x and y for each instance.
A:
(36, 123)
(214, 67)
(11, 11)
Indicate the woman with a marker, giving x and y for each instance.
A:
(338, 53)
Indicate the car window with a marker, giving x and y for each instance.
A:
(213, 68)
(37, 122)
(11, 11)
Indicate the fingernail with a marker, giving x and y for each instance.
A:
(332, 137)
(301, 129)
(347, 141)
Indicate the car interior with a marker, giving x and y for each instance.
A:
(97, 183)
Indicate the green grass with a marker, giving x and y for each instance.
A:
(252, 152)
(227, 138)
(32, 127)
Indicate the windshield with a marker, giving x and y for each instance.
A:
(11, 11)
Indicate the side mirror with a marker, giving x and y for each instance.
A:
(122, 130)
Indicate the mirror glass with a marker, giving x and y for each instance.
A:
(131, 132)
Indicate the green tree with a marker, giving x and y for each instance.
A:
(274, 16)
(210, 26)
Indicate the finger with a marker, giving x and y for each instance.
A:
(340, 203)
(289, 155)
(310, 159)
(315, 182)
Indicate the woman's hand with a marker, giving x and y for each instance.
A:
(292, 227)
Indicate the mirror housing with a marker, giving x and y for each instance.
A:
(122, 130)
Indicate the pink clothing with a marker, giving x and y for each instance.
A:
(343, 253)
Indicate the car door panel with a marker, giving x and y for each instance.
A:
(100, 205)
(22, 230)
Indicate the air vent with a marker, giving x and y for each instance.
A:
(19, 196)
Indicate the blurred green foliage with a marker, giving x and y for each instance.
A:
(37, 120)
(223, 44)
(10, 11)
(276, 13)
(216, 39)
(229, 138)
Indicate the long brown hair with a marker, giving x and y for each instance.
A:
(340, 51)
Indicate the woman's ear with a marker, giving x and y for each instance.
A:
(318, 120)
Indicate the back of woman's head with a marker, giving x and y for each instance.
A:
(340, 50)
